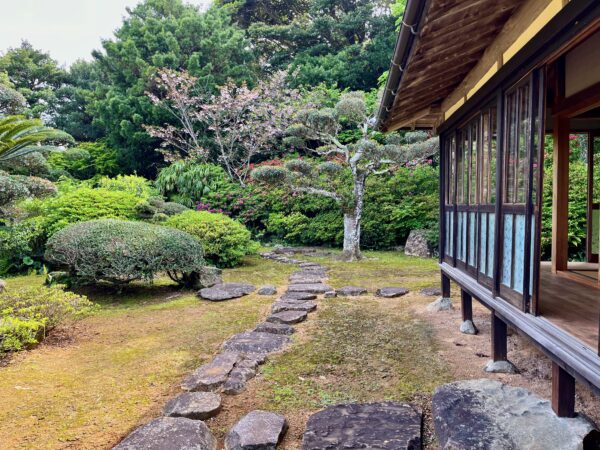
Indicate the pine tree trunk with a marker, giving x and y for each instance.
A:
(352, 221)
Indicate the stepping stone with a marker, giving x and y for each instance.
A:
(288, 317)
(211, 376)
(236, 383)
(170, 433)
(384, 425)
(194, 405)
(431, 292)
(258, 430)
(488, 414)
(293, 306)
(311, 280)
(311, 265)
(226, 291)
(330, 294)
(256, 343)
(316, 288)
(351, 291)
(267, 290)
(275, 328)
(299, 296)
(391, 292)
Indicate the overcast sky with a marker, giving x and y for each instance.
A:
(68, 29)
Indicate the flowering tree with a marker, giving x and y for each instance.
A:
(343, 173)
(241, 122)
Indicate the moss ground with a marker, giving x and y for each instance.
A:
(89, 387)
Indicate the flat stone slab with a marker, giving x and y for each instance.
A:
(431, 292)
(258, 430)
(351, 291)
(194, 405)
(226, 291)
(384, 425)
(297, 296)
(267, 290)
(236, 383)
(211, 376)
(170, 433)
(275, 328)
(391, 292)
(306, 280)
(330, 294)
(288, 317)
(487, 414)
(315, 288)
(256, 342)
(293, 306)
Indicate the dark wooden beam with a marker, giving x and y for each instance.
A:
(445, 286)
(466, 306)
(499, 339)
(563, 392)
(560, 194)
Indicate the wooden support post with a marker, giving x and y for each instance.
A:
(499, 339)
(560, 194)
(445, 286)
(563, 392)
(466, 306)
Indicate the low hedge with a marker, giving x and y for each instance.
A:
(119, 251)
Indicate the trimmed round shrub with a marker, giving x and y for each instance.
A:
(225, 241)
(83, 204)
(119, 252)
(270, 175)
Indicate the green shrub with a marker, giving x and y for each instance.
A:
(131, 184)
(157, 210)
(119, 252)
(225, 241)
(31, 164)
(83, 204)
(27, 314)
(186, 182)
(22, 246)
(290, 228)
(85, 161)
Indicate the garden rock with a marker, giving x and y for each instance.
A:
(431, 292)
(288, 317)
(468, 327)
(194, 405)
(441, 304)
(306, 280)
(275, 328)
(226, 291)
(384, 425)
(417, 245)
(330, 294)
(316, 288)
(500, 367)
(170, 433)
(236, 383)
(258, 430)
(487, 414)
(209, 276)
(297, 296)
(211, 376)
(351, 291)
(293, 306)
(2, 286)
(391, 292)
(253, 342)
(267, 290)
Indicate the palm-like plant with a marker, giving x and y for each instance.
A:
(19, 136)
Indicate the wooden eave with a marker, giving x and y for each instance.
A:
(451, 36)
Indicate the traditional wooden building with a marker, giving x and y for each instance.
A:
(507, 85)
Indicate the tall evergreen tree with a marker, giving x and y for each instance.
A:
(162, 34)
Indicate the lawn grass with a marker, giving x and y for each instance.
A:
(122, 364)
(127, 360)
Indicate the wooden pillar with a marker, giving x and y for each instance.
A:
(499, 339)
(563, 392)
(445, 286)
(560, 194)
(466, 305)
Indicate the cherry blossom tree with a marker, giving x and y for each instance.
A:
(344, 168)
(241, 122)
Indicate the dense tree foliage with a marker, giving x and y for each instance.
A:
(162, 34)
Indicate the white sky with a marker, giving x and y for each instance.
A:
(68, 29)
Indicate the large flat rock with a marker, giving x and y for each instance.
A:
(384, 425)
(311, 288)
(258, 430)
(194, 405)
(211, 376)
(275, 328)
(391, 292)
(226, 291)
(288, 317)
(487, 414)
(170, 433)
(299, 296)
(253, 342)
(293, 306)
(351, 291)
